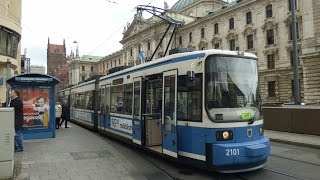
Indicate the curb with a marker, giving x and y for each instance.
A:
(295, 143)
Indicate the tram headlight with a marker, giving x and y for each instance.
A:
(224, 135)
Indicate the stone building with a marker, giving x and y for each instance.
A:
(57, 63)
(262, 27)
(37, 69)
(10, 35)
(81, 68)
(111, 61)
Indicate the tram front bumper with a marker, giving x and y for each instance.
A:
(246, 154)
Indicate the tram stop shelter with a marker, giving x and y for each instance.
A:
(37, 92)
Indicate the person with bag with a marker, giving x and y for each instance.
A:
(58, 114)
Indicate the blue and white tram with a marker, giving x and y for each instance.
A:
(201, 107)
(82, 105)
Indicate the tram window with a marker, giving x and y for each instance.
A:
(117, 99)
(136, 110)
(189, 104)
(128, 99)
(88, 100)
(169, 99)
(101, 100)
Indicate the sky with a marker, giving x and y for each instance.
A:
(96, 25)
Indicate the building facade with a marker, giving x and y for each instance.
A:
(10, 35)
(262, 27)
(82, 68)
(111, 61)
(57, 63)
(37, 69)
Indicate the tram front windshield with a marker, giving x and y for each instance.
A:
(232, 88)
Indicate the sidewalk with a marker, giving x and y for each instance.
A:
(79, 154)
(294, 138)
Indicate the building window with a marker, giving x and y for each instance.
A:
(270, 61)
(232, 44)
(107, 65)
(180, 40)
(83, 77)
(115, 63)
(290, 5)
(216, 46)
(202, 33)
(91, 68)
(9, 41)
(250, 41)
(216, 28)
(272, 89)
(190, 37)
(131, 52)
(270, 37)
(110, 64)
(149, 46)
(119, 61)
(231, 23)
(83, 68)
(249, 17)
(297, 31)
(269, 11)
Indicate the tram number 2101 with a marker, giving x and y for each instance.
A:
(232, 152)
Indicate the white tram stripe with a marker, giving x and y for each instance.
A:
(191, 155)
(136, 141)
(170, 153)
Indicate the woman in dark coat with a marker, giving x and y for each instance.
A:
(65, 114)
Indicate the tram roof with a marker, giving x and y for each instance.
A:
(177, 57)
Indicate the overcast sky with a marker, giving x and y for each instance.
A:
(96, 25)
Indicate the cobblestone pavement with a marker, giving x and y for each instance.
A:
(77, 153)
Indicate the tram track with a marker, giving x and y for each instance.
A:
(283, 173)
(296, 160)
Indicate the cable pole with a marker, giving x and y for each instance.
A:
(295, 53)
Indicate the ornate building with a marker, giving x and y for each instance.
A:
(111, 61)
(57, 63)
(262, 27)
(10, 35)
(82, 68)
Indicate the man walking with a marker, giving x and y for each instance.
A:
(65, 114)
(17, 104)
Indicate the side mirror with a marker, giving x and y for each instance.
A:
(190, 75)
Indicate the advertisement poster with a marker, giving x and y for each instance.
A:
(124, 125)
(36, 107)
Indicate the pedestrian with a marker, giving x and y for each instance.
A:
(65, 114)
(58, 114)
(17, 104)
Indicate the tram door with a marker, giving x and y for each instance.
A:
(101, 114)
(105, 106)
(169, 115)
(137, 120)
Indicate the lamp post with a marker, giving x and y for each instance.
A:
(294, 53)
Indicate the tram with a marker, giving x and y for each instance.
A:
(200, 107)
